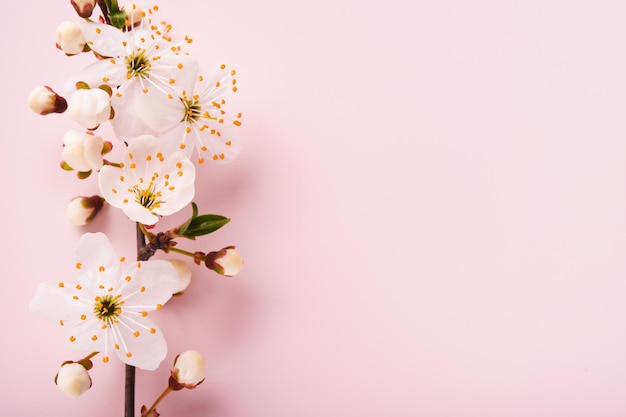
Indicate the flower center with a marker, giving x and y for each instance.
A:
(107, 308)
(192, 110)
(137, 64)
(148, 198)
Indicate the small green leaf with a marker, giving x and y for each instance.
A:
(183, 227)
(204, 224)
(118, 18)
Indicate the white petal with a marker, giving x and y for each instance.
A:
(127, 122)
(223, 147)
(74, 156)
(158, 110)
(93, 151)
(150, 285)
(170, 140)
(107, 71)
(109, 180)
(104, 39)
(176, 201)
(147, 350)
(138, 213)
(88, 336)
(55, 304)
(140, 147)
(96, 258)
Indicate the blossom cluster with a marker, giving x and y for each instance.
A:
(170, 117)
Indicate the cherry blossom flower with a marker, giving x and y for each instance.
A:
(148, 185)
(144, 68)
(107, 308)
(204, 124)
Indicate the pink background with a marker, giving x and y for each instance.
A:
(430, 201)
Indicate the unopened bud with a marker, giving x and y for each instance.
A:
(225, 262)
(82, 210)
(73, 379)
(82, 151)
(134, 14)
(70, 38)
(188, 371)
(44, 100)
(84, 8)
(89, 107)
(184, 275)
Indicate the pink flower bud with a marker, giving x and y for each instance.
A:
(226, 262)
(73, 379)
(84, 8)
(70, 38)
(44, 100)
(188, 371)
(82, 210)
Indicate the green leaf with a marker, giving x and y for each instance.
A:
(118, 19)
(183, 227)
(204, 224)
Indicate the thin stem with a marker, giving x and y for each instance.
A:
(105, 11)
(113, 164)
(183, 252)
(129, 386)
(141, 238)
(91, 355)
(129, 392)
(158, 400)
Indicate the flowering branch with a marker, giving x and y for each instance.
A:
(163, 111)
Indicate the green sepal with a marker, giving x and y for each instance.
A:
(81, 85)
(83, 174)
(106, 88)
(118, 18)
(204, 224)
(106, 148)
(87, 364)
(66, 167)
